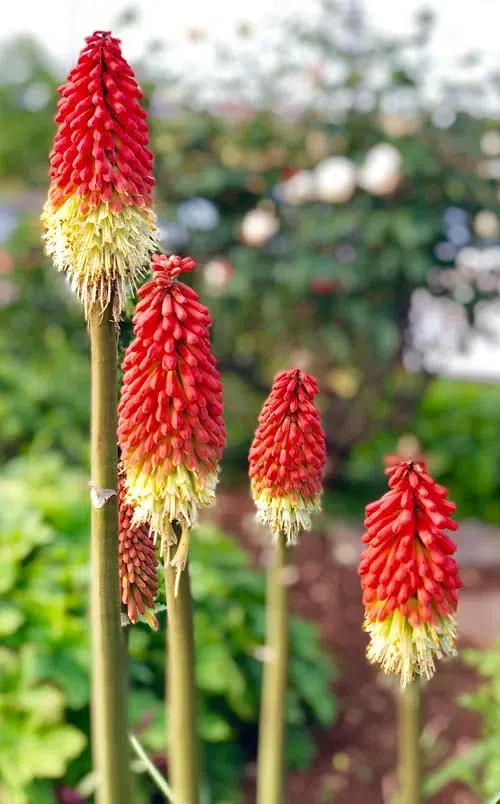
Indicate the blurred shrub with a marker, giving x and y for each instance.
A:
(313, 271)
(456, 423)
(27, 88)
(44, 375)
(326, 279)
(478, 767)
(44, 659)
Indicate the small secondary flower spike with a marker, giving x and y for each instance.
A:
(288, 455)
(138, 564)
(170, 429)
(408, 575)
(99, 221)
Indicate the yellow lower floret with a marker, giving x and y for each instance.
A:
(288, 515)
(178, 497)
(101, 251)
(410, 651)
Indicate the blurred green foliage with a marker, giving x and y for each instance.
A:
(456, 424)
(44, 657)
(478, 767)
(44, 377)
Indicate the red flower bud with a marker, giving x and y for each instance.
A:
(408, 577)
(288, 455)
(138, 563)
(98, 216)
(170, 429)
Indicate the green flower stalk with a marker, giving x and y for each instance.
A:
(171, 435)
(287, 459)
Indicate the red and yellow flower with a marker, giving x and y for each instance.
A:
(408, 574)
(288, 455)
(170, 429)
(99, 221)
(138, 564)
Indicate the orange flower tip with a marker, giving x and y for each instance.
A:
(172, 266)
(99, 220)
(288, 455)
(410, 650)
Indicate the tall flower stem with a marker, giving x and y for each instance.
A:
(182, 753)
(409, 729)
(271, 778)
(109, 694)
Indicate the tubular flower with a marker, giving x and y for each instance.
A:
(408, 576)
(288, 455)
(170, 428)
(138, 564)
(100, 226)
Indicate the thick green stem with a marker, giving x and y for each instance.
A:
(409, 706)
(109, 685)
(182, 755)
(271, 777)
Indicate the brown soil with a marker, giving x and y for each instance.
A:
(357, 756)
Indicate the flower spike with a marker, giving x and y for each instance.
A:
(138, 564)
(408, 575)
(99, 221)
(171, 431)
(288, 455)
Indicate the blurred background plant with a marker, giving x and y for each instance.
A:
(341, 222)
(478, 765)
(44, 679)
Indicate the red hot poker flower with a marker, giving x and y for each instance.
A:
(170, 429)
(408, 576)
(138, 564)
(98, 217)
(288, 455)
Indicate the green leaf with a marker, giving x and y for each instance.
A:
(11, 617)
(214, 728)
(147, 716)
(48, 752)
(44, 705)
(63, 669)
(313, 689)
(214, 668)
(42, 793)
(455, 767)
(300, 749)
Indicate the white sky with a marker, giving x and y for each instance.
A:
(62, 24)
